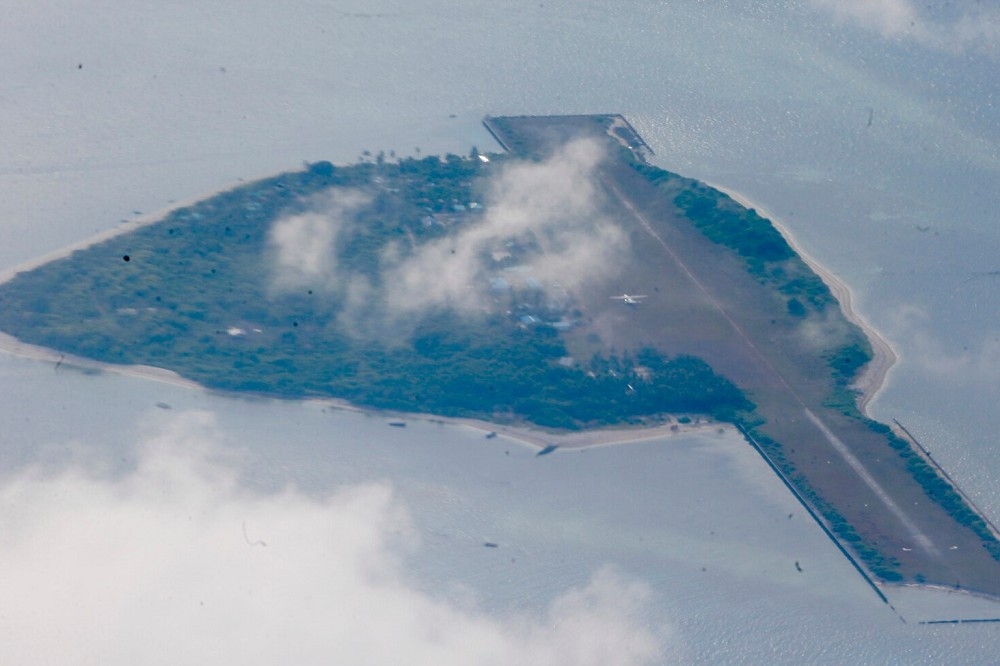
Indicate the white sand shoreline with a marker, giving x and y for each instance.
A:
(125, 227)
(538, 437)
(524, 434)
(594, 438)
(11, 345)
(876, 374)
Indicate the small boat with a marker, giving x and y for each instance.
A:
(397, 424)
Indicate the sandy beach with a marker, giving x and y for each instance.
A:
(537, 437)
(12, 345)
(872, 380)
(586, 439)
(126, 227)
(875, 375)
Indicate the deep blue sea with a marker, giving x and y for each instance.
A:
(217, 529)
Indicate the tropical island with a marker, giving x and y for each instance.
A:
(566, 282)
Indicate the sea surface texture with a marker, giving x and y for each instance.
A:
(146, 522)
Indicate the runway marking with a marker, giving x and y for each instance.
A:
(918, 536)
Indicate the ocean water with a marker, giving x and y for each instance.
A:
(880, 153)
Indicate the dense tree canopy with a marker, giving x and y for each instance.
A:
(195, 297)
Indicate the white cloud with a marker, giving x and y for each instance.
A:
(175, 562)
(555, 203)
(554, 208)
(975, 364)
(823, 332)
(971, 27)
(304, 245)
(890, 18)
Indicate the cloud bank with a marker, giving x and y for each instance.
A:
(968, 27)
(175, 562)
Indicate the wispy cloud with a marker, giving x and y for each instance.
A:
(552, 210)
(554, 203)
(968, 27)
(971, 365)
(823, 332)
(176, 562)
(890, 18)
(304, 245)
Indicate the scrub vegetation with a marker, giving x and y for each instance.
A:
(197, 293)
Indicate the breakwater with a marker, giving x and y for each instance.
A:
(814, 515)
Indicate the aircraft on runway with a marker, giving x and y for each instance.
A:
(630, 299)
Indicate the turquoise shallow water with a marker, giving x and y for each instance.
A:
(774, 102)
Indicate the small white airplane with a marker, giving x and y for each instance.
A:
(630, 299)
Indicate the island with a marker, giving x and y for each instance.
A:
(566, 282)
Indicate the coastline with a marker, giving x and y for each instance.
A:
(524, 434)
(127, 226)
(872, 380)
(576, 440)
(876, 373)
(11, 345)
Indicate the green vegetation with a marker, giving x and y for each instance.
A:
(768, 257)
(939, 489)
(771, 260)
(880, 565)
(724, 221)
(934, 485)
(796, 325)
(195, 296)
(765, 251)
